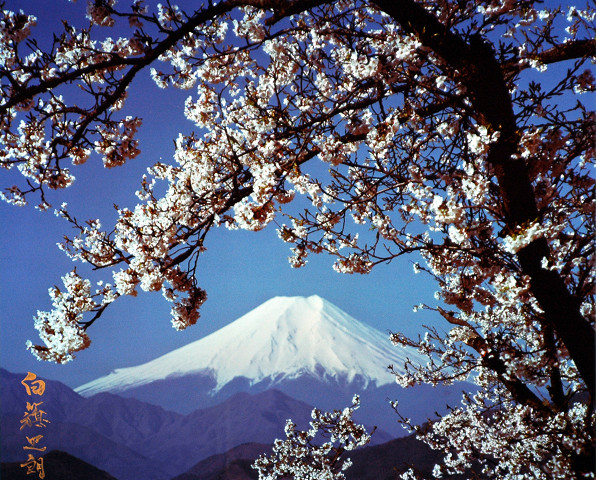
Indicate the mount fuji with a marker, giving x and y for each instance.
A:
(306, 347)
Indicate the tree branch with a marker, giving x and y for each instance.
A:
(139, 63)
(478, 69)
(559, 53)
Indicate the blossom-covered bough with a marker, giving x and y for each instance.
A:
(456, 129)
(300, 456)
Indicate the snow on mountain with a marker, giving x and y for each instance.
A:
(283, 339)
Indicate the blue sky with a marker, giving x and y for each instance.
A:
(239, 271)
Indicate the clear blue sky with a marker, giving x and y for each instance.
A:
(239, 271)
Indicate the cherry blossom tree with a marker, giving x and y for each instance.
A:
(459, 131)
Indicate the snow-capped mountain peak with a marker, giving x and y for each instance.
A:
(282, 339)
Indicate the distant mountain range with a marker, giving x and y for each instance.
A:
(131, 439)
(382, 462)
(307, 348)
(198, 404)
(109, 437)
(379, 462)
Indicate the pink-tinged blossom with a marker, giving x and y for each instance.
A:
(408, 154)
(15, 27)
(99, 12)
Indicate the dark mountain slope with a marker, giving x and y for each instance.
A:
(58, 465)
(379, 462)
(235, 464)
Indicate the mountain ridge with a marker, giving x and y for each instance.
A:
(306, 347)
(282, 339)
(58, 465)
(131, 439)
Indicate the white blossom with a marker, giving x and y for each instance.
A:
(360, 135)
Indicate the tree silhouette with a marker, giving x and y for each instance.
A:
(455, 129)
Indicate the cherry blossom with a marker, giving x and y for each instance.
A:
(304, 456)
(460, 132)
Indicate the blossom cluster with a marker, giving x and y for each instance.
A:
(61, 329)
(302, 455)
(363, 136)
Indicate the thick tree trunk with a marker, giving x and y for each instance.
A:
(480, 72)
(492, 99)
